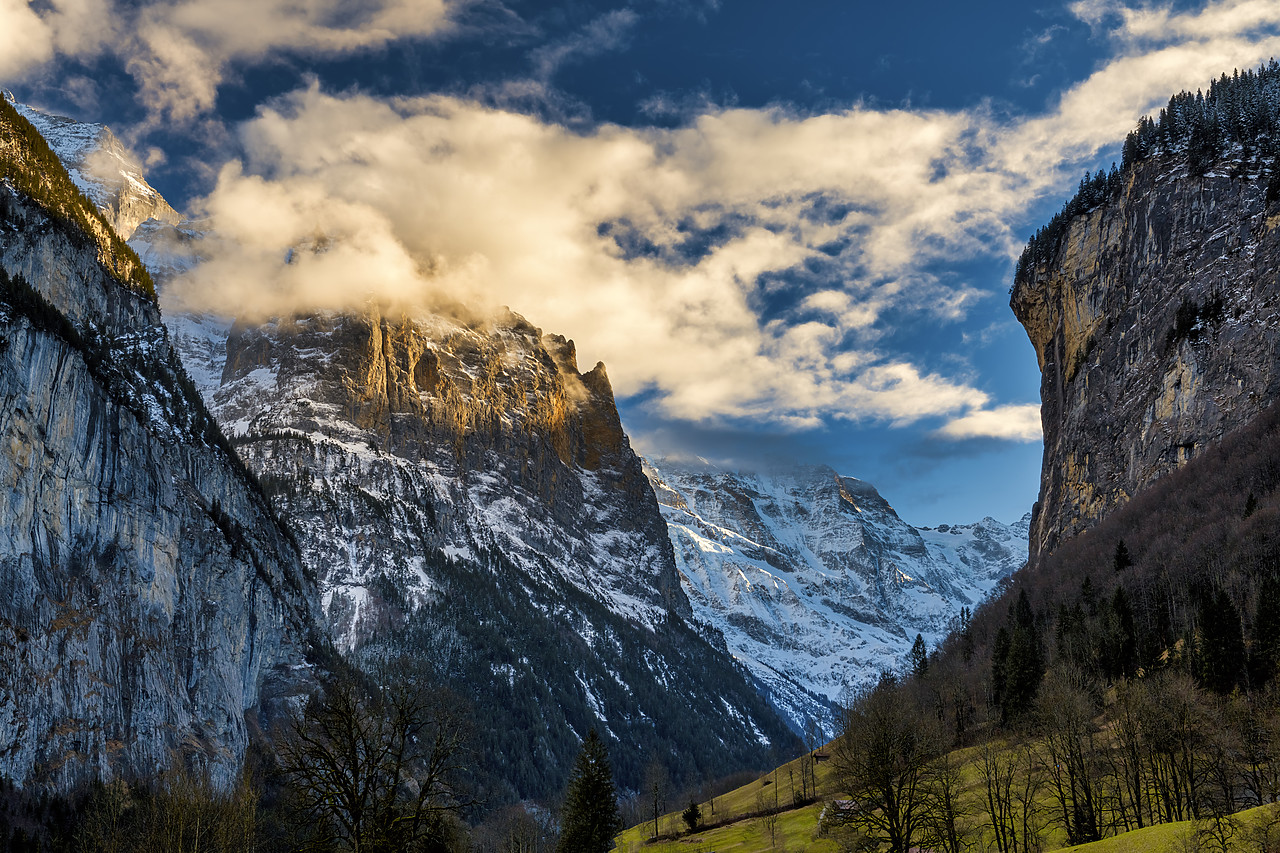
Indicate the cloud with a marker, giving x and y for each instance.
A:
(738, 267)
(25, 39)
(180, 52)
(1015, 423)
(605, 33)
(616, 236)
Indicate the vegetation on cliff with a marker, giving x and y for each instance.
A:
(29, 165)
(1128, 681)
(1238, 118)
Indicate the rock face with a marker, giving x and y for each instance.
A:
(1154, 328)
(814, 580)
(148, 598)
(469, 496)
(466, 495)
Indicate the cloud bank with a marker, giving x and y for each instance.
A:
(180, 52)
(742, 266)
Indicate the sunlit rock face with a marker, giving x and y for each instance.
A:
(103, 169)
(410, 436)
(468, 495)
(1128, 392)
(148, 598)
(815, 582)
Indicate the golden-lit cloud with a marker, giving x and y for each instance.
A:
(180, 52)
(1016, 422)
(657, 248)
(648, 246)
(742, 265)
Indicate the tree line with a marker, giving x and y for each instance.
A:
(31, 167)
(1127, 680)
(1237, 119)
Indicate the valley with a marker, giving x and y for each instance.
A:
(398, 568)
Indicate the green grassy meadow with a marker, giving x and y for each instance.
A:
(797, 828)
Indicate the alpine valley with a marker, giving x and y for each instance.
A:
(212, 503)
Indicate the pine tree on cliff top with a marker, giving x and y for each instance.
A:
(591, 818)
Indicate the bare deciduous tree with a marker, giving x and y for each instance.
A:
(881, 760)
(376, 769)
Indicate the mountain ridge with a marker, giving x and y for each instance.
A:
(814, 580)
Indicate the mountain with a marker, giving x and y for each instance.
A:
(1151, 304)
(815, 582)
(462, 491)
(103, 169)
(152, 605)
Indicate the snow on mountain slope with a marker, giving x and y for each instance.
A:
(103, 169)
(466, 496)
(814, 581)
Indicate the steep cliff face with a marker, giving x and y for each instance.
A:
(814, 580)
(1154, 325)
(148, 598)
(497, 437)
(468, 495)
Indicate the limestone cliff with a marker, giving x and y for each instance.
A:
(1153, 317)
(467, 495)
(147, 593)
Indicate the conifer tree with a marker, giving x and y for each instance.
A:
(1121, 639)
(1221, 658)
(590, 819)
(918, 658)
(1264, 656)
(1018, 661)
(1122, 559)
(692, 816)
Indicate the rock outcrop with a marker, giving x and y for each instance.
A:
(149, 600)
(1154, 325)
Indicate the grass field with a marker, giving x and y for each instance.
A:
(797, 828)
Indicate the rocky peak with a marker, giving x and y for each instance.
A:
(104, 169)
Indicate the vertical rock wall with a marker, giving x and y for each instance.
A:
(147, 594)
(1154, 325)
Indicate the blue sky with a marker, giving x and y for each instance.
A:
(788, 229)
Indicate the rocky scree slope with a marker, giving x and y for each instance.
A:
(148, 599)
(1153, 316)
(815, 582)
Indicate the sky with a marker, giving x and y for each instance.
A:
(788, 229)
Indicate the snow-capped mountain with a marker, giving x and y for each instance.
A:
(103, 169)
(814, 580)
(466, 495)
